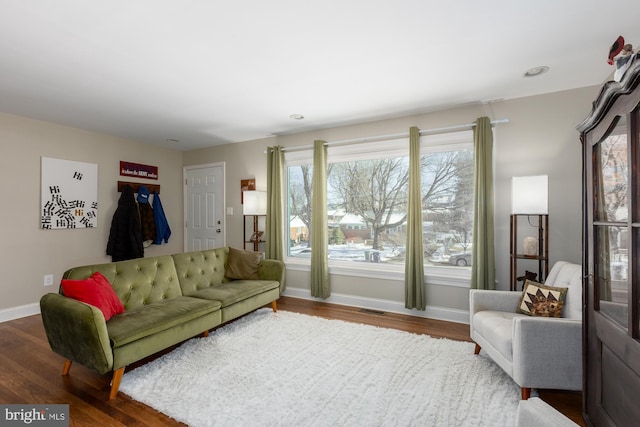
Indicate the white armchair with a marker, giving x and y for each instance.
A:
(537, 352)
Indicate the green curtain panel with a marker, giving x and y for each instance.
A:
(319, 227)
(483, 274)
(414, 262)
(275, 209)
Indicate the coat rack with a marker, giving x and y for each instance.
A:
(136, 185)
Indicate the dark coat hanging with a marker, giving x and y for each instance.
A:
(147, 220)
(125, 236)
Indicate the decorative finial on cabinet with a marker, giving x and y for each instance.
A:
(615, 49)
(621, 55)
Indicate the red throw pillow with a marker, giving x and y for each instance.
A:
(96, 291)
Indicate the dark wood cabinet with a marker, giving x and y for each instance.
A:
(610, 137)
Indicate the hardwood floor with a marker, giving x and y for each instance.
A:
(31, 373)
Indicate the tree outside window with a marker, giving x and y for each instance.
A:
(367, 208)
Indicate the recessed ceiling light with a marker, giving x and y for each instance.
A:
(536, 71)
(296, 116)
(172, 140)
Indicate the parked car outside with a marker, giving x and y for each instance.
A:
(460, 259)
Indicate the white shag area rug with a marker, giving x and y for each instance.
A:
(290, 369)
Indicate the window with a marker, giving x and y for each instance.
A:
(367, 201)
(447, 198)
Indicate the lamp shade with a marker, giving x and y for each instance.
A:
(255, 202)
(530, 195)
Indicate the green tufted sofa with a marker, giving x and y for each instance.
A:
(167, 299)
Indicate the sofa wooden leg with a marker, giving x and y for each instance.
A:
(115, 382)
(66, 367)
(477, 349)
(274, 306)
(526, 393)
(205, 334)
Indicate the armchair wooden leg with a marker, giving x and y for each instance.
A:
(477, 349)
(274, 306)
(526, 393)
(66, 367)
(115, 382)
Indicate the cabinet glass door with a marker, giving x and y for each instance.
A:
(611, 223)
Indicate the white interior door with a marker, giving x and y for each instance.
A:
(204, 207)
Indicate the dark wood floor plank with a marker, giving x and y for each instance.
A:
(413, 324)
(6, 391)
(31, 387)
(31, 373)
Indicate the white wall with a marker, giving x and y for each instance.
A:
(28, 252)
(540, 138)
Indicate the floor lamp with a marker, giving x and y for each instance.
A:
(530, 197)
(255, 205)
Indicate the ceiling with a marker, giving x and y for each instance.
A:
(214, 72)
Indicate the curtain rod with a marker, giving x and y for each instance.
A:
(494, 123)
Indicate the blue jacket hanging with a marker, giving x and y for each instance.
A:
(163, 231)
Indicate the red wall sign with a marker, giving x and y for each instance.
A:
(138, 170)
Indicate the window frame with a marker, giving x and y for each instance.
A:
(437, 275)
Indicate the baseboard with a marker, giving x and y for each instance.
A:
(17, 312)
(432, 312)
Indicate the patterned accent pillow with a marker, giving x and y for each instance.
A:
(542, 300)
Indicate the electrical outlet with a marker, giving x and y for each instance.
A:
(48, 279)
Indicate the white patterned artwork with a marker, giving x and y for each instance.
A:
(69, 194)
